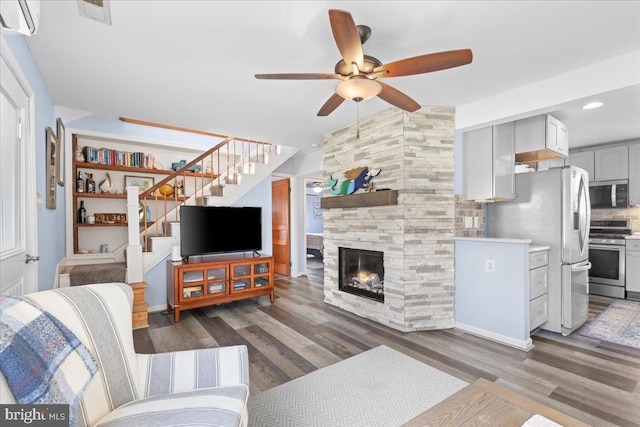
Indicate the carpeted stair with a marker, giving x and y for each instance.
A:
(114, 272)
(98, 273)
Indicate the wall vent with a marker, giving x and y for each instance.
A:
(97, 10)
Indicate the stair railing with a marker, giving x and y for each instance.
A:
(193, 182)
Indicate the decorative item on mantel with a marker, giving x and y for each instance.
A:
(356, 179)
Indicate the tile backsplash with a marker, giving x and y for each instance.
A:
(629, 213)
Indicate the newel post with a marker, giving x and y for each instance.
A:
(135, 269)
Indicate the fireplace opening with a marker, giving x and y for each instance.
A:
(361, 273)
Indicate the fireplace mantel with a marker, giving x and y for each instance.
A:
(375, 198)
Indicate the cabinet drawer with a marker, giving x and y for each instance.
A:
(633, 245)
(538, 282)
(538, 259)
(538, 311)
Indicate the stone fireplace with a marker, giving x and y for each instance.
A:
(361, 273)
(414, 235)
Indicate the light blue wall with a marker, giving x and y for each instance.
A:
(51, 224)
(314, 225)
(496, 302)
(259, 196)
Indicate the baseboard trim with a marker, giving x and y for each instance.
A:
(524, 345)
(157, 308)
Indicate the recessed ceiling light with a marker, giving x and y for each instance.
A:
(592, 105)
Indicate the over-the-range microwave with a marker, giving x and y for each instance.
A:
(609, 194)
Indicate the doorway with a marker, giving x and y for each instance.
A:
(281, 226)
(314, 227)
(18, 223)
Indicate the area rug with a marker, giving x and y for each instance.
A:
(380, 387)
(619, 324)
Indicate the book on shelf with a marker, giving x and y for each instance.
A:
(107, 157)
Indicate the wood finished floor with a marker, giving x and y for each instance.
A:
(594, 381)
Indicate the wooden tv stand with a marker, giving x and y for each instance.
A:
(212, 280)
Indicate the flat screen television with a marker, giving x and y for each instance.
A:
(217, 229)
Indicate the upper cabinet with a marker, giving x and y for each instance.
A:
(540, 138)
(611, 163)
(584, 160)
(634, 174)
(488, 163)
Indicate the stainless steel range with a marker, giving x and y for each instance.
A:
(607, 256)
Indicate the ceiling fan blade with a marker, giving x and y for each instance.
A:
(395, 97)
(299, 76)
(347, 36)
(331, 104)
(426, 63)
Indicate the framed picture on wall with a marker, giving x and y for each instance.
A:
(60, 152)
(52, 184)
(142, 182)
(317, 212)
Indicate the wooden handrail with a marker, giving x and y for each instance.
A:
(175, 174)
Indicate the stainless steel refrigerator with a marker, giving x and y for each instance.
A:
(552, 208)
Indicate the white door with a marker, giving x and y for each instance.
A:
(18, 225)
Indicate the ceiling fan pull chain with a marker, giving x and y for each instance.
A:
(357, 120)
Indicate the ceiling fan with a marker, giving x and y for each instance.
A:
(359, 72)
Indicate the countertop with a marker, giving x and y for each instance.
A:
(494, 240)
(538, 248)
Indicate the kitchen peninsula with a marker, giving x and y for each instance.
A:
(501, 288)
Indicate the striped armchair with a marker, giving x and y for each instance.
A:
(196, 387)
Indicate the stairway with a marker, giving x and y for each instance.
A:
(161, 244)
(86, 274)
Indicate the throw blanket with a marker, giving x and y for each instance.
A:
(42, 360)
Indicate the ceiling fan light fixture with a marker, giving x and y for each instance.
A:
(358, 88)
(317, 187)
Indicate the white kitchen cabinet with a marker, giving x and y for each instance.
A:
(488, 159)
(538, 286)
(584, 160)
(634, 174)
(633, 269)
(612, 163)
(540, 138)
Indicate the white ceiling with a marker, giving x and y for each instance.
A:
(192, 63)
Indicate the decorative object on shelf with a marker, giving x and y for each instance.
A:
(78, 156)
(104, 248)
(80, 183)
(60, 154)
(179, 165)
(52, 143)
(166, 190)
(107, 186)
(144, 212)
(158, 166)
(91, 219)
(119, 191)
(179, 187)
(142, 182)
(356, 179)
(111, 218)
(90, 186)
(82, 213)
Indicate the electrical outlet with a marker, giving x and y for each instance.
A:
(468, 222)
(490, 265)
